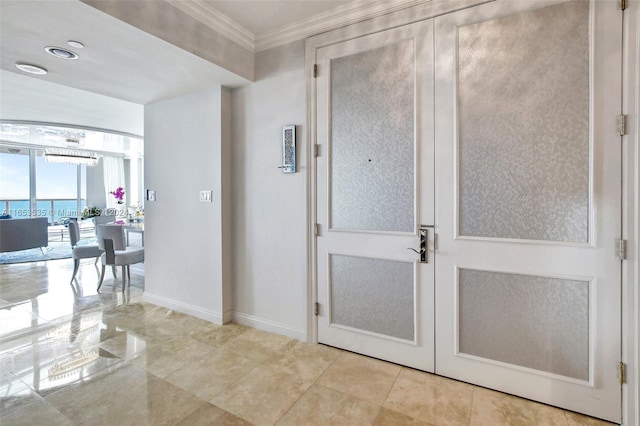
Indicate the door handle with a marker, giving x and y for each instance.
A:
(423, 233)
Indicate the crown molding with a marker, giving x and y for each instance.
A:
(206, 13)
(217, 21)
(336, 18)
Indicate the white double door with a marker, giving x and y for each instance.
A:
(487, 138)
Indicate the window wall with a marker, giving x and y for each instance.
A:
(60, 189)
(14, 182)
(31, 185)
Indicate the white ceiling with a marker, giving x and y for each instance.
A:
(118, 60)
(24, 98)
(126, 63)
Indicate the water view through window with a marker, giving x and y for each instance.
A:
(14, 182)
(56, 187)
(34, 186)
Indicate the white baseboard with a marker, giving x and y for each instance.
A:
(185, 308)
(268, 325)
(235, 316)
(227, 317)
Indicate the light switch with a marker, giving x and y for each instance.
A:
(206, 196)
(151, 195)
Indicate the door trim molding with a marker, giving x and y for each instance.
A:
(631, 215)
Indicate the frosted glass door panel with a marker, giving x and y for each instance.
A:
(372, 139)
(373, 295)
(523, 122)
(535, 322)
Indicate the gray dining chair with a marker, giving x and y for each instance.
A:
(116, 253)
(82, 251)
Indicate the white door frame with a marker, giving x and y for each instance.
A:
(631, 214)
(631, 174)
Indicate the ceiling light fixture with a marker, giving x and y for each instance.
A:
(60, 52)
(31, 69)
(75, 44)
(70, 156)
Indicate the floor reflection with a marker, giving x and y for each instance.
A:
(50, 330)
(72, 356)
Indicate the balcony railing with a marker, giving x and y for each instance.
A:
(57, 210)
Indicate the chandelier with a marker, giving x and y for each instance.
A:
(70, 156)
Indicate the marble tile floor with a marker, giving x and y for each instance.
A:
(71, 356)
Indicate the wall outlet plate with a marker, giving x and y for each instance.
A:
(206, 196)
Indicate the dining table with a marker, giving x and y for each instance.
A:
(135, 226)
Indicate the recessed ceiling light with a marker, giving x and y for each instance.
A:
(32, 69)
(60, 52)
(75, 44)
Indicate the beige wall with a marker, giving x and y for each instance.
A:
(269, 207)
(185, 140)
